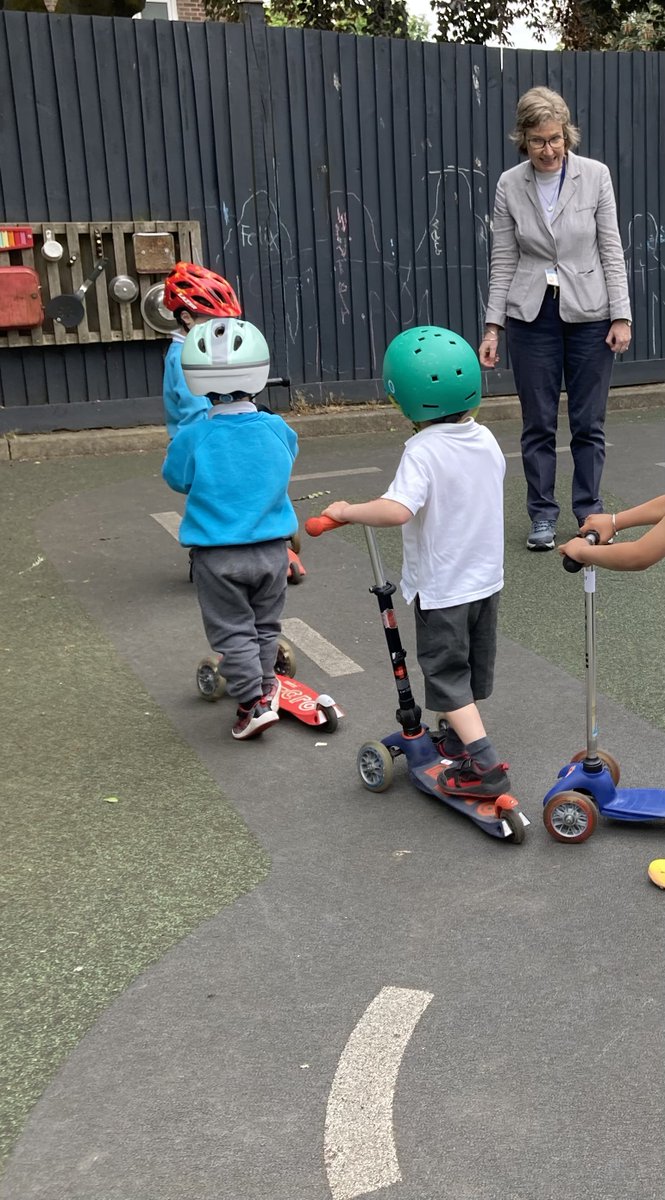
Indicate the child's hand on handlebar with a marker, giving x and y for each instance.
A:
(337, 511)
(577, 548)
(601, 523)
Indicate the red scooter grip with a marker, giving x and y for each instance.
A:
(315, 526)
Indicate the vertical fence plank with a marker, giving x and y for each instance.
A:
(346, 193)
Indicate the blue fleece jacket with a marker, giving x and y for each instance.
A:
(234, 468)
(181, 406)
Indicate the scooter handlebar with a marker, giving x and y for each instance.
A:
(570, 564)
(315, 526)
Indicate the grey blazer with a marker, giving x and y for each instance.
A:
(583, 244)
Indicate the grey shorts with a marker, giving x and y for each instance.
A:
(456, 652)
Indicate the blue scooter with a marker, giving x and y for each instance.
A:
(500, 818)
(588, 784)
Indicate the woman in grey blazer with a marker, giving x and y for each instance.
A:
(558, 285)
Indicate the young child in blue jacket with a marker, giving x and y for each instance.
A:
(194, 295)
(234, 467)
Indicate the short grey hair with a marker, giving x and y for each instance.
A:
(537, 106)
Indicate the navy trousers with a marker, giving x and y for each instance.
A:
(542, 352)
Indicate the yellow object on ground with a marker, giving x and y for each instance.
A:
(657, 872)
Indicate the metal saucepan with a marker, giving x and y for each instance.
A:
(154, 313)
(123, 288)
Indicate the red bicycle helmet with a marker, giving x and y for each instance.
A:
(200, 291)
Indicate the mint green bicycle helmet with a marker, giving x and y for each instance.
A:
(224, 356)
(431, 372)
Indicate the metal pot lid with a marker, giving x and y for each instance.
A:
(123, 288)
(154, 313)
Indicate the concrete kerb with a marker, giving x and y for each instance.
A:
(341, 420)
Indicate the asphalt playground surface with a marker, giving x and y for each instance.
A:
(232, 973)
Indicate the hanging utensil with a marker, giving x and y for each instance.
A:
(68, 310)
(52, 251)
(154, 313)
(123, 288)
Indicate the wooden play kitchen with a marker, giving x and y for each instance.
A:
(76, 283)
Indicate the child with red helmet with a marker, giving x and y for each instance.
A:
(193, 294)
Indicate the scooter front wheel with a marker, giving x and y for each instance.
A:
(570, 817)
(609, 760)
(375, 766)
(209, 681)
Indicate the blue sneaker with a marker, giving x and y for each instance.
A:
(542, 535)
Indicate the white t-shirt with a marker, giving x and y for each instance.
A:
(451, 478)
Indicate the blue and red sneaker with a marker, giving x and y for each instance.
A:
(467, 779)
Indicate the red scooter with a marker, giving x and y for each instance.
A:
(296, 698)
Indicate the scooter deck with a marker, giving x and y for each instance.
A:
(425, 765)
(483, 812)
(303, 702)
(636, 804)
(621, 804)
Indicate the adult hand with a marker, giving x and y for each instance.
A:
(618, 338)
(488, 351)
(602, 523)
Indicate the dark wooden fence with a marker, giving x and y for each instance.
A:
(343, 184)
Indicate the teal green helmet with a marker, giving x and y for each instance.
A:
(224, 356)
(431, 372)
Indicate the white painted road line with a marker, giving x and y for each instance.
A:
(336, 474)
(359, 1148)
(323, 653)
(170, 522)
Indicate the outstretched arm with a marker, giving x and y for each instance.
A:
(379, 512)
(622, 556)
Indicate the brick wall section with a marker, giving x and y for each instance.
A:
(188, 10)
(191, 10)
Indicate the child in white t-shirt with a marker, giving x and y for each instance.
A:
(447, 495)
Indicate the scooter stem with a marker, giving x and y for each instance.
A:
(590, 650)
(408, 713)
(374, 556)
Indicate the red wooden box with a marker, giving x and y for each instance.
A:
(20, 298)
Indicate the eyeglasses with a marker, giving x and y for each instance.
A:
(555, 142)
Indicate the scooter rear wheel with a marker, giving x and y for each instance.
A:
(609, 760)
(209, 681)
(285, 663)
(517, 827)
(331, 719)
(570, 817)
(375, 766)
